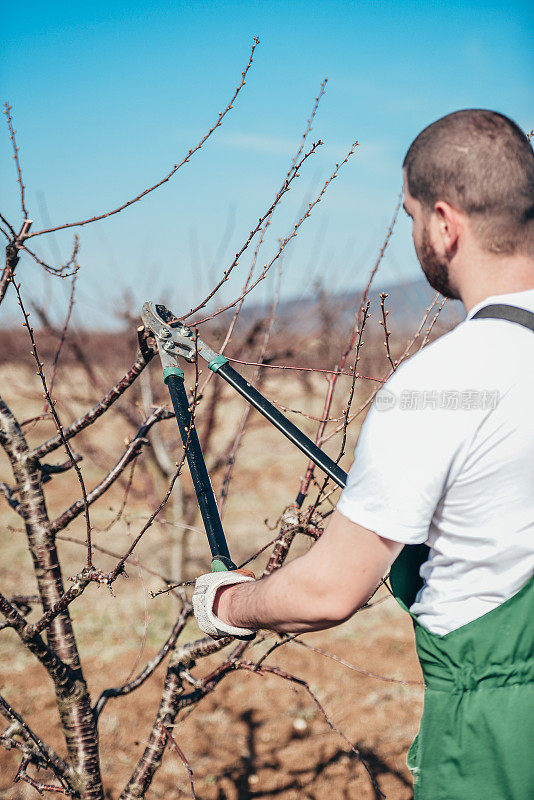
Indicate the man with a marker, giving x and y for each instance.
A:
(445, 466)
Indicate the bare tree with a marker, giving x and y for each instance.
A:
(42, 621)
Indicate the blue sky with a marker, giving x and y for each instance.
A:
(107, 97)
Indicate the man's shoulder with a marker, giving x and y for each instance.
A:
(445, 359)
(474, 352)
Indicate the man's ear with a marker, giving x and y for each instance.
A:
(448, 224)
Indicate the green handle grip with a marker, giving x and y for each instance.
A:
(222, 564)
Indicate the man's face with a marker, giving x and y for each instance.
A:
(434, 265)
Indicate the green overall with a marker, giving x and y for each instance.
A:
(476, 738)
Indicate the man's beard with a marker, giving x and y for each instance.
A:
(436, 269)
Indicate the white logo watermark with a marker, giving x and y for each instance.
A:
(446, 400)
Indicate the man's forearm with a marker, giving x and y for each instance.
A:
(284, 601)
(318, 590)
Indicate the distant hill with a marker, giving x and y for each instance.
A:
(406, 303)
(304, 328)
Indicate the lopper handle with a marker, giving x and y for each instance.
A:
(221, 561)
(294, 434)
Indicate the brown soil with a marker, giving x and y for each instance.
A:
(259, 736)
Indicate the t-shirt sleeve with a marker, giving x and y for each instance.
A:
(404, 457)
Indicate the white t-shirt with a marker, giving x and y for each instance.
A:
(446, 457)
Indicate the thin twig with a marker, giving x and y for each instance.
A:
(347, 664)
(381, 253)
(66, 270)
(387, 332)
(131, 452)
(432, 323)
(12, 132)
(100, 408)
(227, 477)
(22, 775)
(150, 668)
(62, 338)
(362, 316)
(285, 241)
(320, 371)
(257, 227)
(11, 229)
(404, 355)
(118, 567)
(112, 554)
(294, 161)
(46, 755)
(122, 507)
(183, 759)
(175, 168)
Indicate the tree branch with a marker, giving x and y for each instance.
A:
(32, 744)
(100, 408)
(293, 173)
(252, 667)
(172, 700)
(175, 168)
(152, 665)
(131, 451)
(185, 762)
(9, 494)
(12, 255)
(283, 245)
(22, 775)
(12, 132)
(57, 422)
(62, 674)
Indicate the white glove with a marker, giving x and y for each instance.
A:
(203, 598)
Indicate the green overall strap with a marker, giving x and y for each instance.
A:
(405, 577)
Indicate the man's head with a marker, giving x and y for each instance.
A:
(474, 165)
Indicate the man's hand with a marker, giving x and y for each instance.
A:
(206, 589)
(320, 589)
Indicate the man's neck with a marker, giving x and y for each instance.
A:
(489, 275)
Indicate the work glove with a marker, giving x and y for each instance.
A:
(204, 596)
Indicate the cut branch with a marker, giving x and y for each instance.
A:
(9, 494)
(12, 255)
